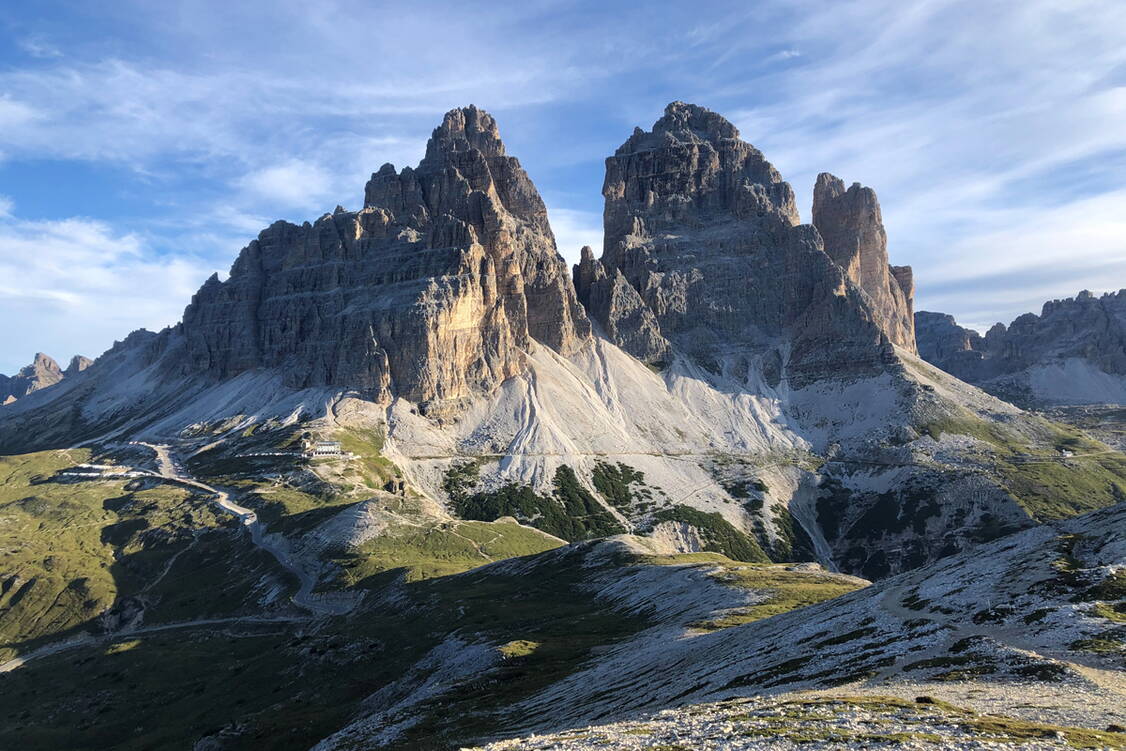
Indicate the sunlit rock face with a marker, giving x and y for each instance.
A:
(43, 371)
(852, 228)
(431, 292)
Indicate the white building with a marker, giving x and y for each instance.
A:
(323, 448)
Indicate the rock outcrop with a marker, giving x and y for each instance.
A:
(852, 228)
(78, 363)
(627, 320)
(41, 373)
(704, 252)
(431, 292)
(942, 342)
(1080, 338)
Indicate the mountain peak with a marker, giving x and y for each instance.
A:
(463, 129)
(43, 371)
(78, 363)
(682, 123)
(432, 292)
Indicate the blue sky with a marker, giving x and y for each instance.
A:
(142, 144)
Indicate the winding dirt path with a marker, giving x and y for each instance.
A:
(171, 469)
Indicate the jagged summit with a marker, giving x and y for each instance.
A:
(464, 129)
(431, 292)
(78, 363)
(43, 371)
(705, 234)
(692, 164)
(682, 123)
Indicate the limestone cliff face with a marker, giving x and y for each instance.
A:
(706, 234)
(944, 343)
(1087, 328)
(431, 292)
(852, 229)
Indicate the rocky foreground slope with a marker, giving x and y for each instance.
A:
(1020, 644)
(141, 615)
(1074, 352)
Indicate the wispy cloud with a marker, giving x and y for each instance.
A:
(294, 183)
(965, 133)
(76, 285)
(38, 47)
(573, 229)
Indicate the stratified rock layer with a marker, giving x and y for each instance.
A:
(431, 292)
(627, 320)
(852, 228)
(706, 234)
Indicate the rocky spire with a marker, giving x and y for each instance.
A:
(705, 234)
(41, 373)
(432, 292)
(619, 309)
(852, 229)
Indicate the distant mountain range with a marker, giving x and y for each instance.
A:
(1074, 352)
(41, 373)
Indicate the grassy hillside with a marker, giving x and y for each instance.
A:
(1053, 470)
(70, 550)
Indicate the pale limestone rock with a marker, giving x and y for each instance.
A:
(78, 363)
(852, 228)
(1085, 328)
(41, 373)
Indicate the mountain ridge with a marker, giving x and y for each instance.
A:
(1073, 352)
(406, 481)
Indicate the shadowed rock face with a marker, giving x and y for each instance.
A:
(852, 228)
(1083, 327)
(627, 320)
(706, 234)
(431, 292)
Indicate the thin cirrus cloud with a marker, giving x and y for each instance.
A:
(985, 142)
(59, 310)
(989, 130)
